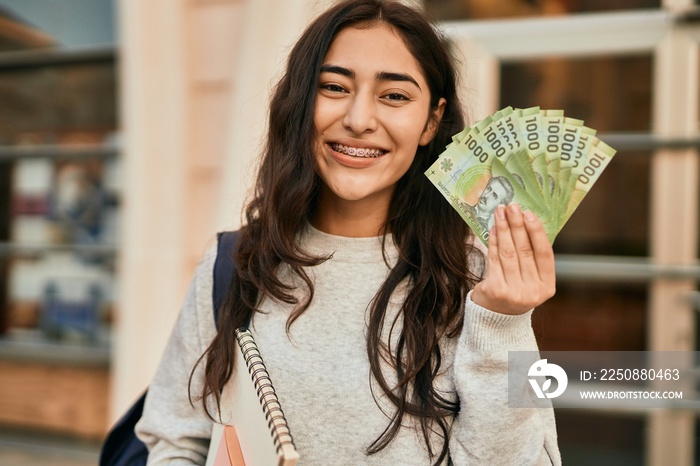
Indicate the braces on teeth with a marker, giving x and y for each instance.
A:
(358, 152)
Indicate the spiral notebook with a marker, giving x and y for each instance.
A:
(253, 429)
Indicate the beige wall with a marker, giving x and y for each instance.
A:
(153, 109)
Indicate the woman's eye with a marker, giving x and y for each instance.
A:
(395, 96)
(333, 87)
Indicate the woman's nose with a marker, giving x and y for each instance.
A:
(361, 115)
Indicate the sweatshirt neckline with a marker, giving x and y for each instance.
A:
(346, 248)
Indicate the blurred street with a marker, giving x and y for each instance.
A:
(33, 449)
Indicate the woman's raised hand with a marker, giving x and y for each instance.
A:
(520, 264)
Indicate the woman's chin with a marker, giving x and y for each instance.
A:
(359, 194)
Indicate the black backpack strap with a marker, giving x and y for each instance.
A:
(224, 268)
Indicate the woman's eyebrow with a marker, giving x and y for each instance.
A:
(389, 76)
(380, 76)
(338, 70)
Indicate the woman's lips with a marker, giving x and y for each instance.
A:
(359, 152)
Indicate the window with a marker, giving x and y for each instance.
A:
(484, 9)
(59, 181)
(622, 260)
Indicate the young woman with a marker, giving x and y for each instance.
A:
(385, 339)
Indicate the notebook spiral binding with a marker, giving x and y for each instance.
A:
(276, 421)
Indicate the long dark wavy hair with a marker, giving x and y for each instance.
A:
(431, 238)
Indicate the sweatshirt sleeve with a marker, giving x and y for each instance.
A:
(175, 431)
(486, 431)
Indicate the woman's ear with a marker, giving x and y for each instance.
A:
(433, 123)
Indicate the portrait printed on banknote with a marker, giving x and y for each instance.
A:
(498, 191)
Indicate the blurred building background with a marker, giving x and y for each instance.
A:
(128, 136)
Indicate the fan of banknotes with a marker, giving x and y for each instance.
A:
(540, 159)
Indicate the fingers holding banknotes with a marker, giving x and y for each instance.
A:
(520, 273)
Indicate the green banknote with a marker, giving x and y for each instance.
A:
(570, 137)
(520, 166)
(587, 141)
(474, 191)
(509, 130)
(458, 178)
(524, 199)
(541, 159)
(530, 123)
(552, 122)
(499, 133)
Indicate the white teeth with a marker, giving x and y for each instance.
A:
(363, 152)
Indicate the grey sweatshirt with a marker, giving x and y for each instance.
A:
(322, 377)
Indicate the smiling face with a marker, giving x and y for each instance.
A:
(372, 112)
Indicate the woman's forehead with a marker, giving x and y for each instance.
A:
(375, 48)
